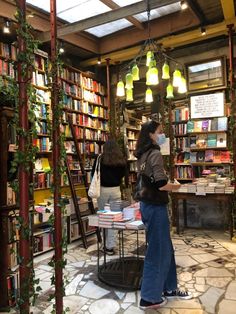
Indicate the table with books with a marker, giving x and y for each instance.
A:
(220, 191)
(123, 270)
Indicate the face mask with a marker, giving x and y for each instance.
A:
(161, 138)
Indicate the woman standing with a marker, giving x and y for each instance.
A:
(112, 170)
(159, 274)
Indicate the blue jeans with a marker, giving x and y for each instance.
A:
(159, 272)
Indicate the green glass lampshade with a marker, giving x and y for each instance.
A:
(152, 63)
(169, 91)
(129, 95)
(152, 76)
(165, 71)
(120, 89)
(135, 72)
(129, 81)
(183, 86)
(148, 96)
(176, 78)
(149, 57)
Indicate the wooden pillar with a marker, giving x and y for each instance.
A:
(24, 245)
(111, 117)
(56, 161)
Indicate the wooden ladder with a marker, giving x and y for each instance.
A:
(79, 216)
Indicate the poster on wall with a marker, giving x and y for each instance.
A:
(207, 106)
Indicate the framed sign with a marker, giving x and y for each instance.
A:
(207, 106)
(206, 75)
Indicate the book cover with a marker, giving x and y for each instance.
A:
(217, 156)
(193, 141)
(201, 141)
(221, 140)
(225, 156)
(222, 123)
(190, 126)
(205, 125)
(209, 155)
(197, 126)
(214, 124)
(201, 156)
(211, 140)
(186, 157)
(193, 157)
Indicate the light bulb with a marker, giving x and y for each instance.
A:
(129, 95)
(165, 71)
(169, 91)
(183, 86)
(148, 96)
(149, 57)
(135, 72)
(129, 81)
(176, 78)
(184, 5)
(120, 90)
(152, 76)
(6, 28)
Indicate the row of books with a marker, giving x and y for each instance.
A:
(204, 156)
(180, 128)
(182, 143)
(132, 135)
(181, 114)
(71, 75)
(13, 228)
(43, 96)
(13, 254)
(43, 144)
(40, 62)
(11, 195)
(208, 140)
(94, 98)
(39, 79)
(44, 180)
(7, 69)
(93, 85)
(12, 288)
(42, 214)
(44, 241)
(8, 51)
(71, 89)
(42, 111)
(86, 107)
(42, 127)
(215, 124)
(183, 172)
(87, 121)
(85, 148)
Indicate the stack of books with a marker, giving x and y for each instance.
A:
(121, 224)
(106, 219)
(137, 224)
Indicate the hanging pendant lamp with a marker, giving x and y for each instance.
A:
(148, 96)
(120, 90)
(135, 72)
(169, 91)
(183, 86)
(176, 78)
(129, 95)
(165, 71)
(129, 81)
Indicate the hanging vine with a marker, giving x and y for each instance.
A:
(25, 158)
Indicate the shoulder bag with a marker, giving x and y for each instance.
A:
(95, 186)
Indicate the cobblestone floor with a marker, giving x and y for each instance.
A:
(206, 265)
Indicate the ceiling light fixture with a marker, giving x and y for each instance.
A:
(203, 31)
(159, 65)
(61, 49)
(99, 61)
(6, 28)
(184, 5)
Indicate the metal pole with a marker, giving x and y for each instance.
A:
(56, 157)
(23, 175)
(109, 95)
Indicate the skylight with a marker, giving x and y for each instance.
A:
(109, 28)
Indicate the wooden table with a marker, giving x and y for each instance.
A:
(225, 199)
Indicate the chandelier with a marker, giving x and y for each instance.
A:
(159, 65)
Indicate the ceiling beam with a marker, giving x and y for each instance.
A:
(112, 5)
(107, 17)
(194, 6)
(172, 41)
(163, 26)
(228, 9)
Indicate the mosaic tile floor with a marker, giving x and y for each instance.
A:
(206, 265)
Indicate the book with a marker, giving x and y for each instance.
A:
(201, 141)
(205, 125)
(225, 156)
(217, 156)
(222, 124)
(211, 140)
(221, 140)
(209, 155)
(214, 124)
(201, 156)
(197, 126)
(190, 126)
(193, 157)
(137, 224)
(193, 140)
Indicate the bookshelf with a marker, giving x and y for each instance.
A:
(201, 144)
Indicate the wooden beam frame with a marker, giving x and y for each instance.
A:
(228, 9)
(107, 17)
(194, 6)
(112, 5)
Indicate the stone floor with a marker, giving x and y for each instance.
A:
(206, 265)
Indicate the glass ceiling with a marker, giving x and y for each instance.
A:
(77, 10)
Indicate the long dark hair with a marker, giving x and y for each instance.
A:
(144, 142)
(112, 155)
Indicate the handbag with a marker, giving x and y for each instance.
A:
(95, 186)
(145, 189)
